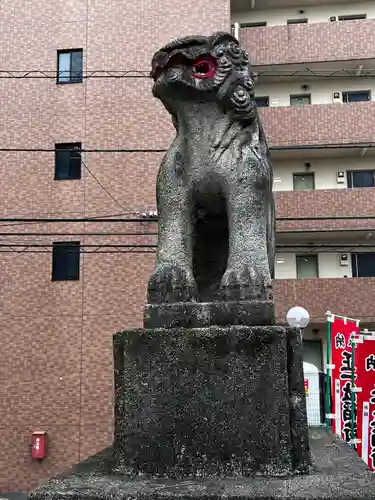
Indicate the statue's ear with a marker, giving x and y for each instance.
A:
(222, 37)
(158, 61)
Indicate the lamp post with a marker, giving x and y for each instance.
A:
(297, 317)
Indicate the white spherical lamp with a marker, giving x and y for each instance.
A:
(297, 317)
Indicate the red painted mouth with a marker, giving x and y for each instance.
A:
(204, 67)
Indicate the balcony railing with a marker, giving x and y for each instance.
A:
(326, 203)
(352, 297)
(309, 43)
(319, 124)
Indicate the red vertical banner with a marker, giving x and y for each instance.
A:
(365, 385)
(307, 386)
(342, 331)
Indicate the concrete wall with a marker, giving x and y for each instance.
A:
(328, 265)
(326, 41)
(325, 171)
(315, 13)
(321, 90)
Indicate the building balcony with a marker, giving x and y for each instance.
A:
(309, 43)
(351, 297)
(321, 203)
(319, 124)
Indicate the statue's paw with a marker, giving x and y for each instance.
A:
(170, 283)
(246, 283)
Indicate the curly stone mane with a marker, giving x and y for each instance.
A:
(230, 79)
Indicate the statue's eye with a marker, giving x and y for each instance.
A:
(204, 67)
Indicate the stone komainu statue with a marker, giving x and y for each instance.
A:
(214, 187)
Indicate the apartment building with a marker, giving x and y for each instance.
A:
(75, 248)
(315, 93)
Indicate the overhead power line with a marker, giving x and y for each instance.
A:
(328, 217)
(315, 73)
(104, 188)
(151, 248)
(84, 248)
(155, 219)
(53, 74)
(146, 233)
(50, 150)
(91, 249)
(289, 147)
(261, 71)
(80, 219)
(39, 220)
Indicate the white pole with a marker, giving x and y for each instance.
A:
(237, 30)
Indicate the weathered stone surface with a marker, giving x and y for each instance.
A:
(337, 474)
(203, 314)
(208, 401)
(214, 187)
(301, 458)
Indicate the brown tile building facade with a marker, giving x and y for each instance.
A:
(56, 335)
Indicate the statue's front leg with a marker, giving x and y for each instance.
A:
(247, 276)
(173, 279)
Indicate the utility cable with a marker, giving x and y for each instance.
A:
(100, 218)
(53, 74)
(282, 247)
(155, 219)
(259, 70)
(288, 147)
(50, 150)
(81, 234)
(84, 248)
(127, 212)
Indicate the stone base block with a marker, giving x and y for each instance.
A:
(210, 401)
(337, 474)
(204, 314)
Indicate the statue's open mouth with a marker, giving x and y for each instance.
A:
(204, 67)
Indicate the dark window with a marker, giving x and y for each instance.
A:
(303, 182)
(363, 264)
(65, 261)
(360, 178)
(307, 266)
(67, 161)
(297, 21)
(262, 102)
(363, 95)
(253, 25)
(300, 100)
(69, 66)
(352, 17)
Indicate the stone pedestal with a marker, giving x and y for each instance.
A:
(337, 474)
(205, 314)
(209, 402)
(203, 413)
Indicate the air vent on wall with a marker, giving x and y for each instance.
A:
(337, 97)
(344, 259)
(340, 177)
